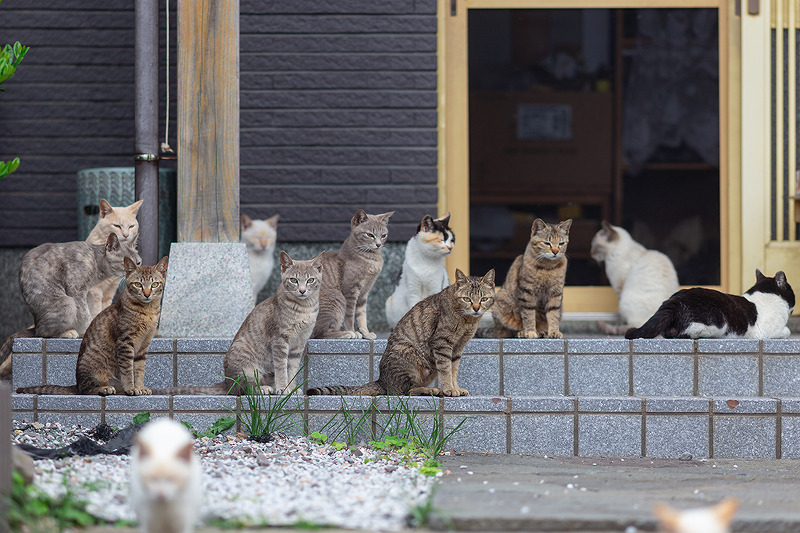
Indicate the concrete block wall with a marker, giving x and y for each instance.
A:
(654, 398)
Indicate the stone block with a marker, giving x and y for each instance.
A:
(663, 346)
(598, 346)
(727, 345)
(543, 404)
(787, 346)
(338, 346)
(28, 345)
(326, 370)
(478, 433)
(745, 436)
(670, 436)
(480, 374)
(474, 404)
(660, 375)
(598, 375)
(62, 345)
(204, 345)
(203, 403)
(22, 402)
(121, 419)
(728, 375)
(486, 346)
(379, 345)
(677, 405)
(27, 370)
(336, 403)
(85, 420)
(600, 404)
(158, 345)
(543, 434)
(203, 421)
(61, 369)
(207, 292)
(790, 405)
(158, 371)
(22, 416)
(611, 435)
(137, 403)
(388, 404)
(533, 346)
(339, 428)
(49, 402)
(790, 437)
(756, 405)
(781, 375)
(535, 374)
(203, 369)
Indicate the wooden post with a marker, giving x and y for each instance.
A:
(208, 121)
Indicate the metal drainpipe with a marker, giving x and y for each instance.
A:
(146, 143)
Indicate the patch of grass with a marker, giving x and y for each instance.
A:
(420, 514)
(141, 417)
(31, 509)
(350, 425)
(266, 414)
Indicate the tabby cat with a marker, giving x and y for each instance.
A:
(529, 303)
(121, 221)
(714, 519)
(270, 342)
(166, 484)
(423, 272)
(259, 236)
(112, 355)
(348, 277)
(428, 341)
(761, 313)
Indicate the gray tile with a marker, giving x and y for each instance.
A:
(790, 405)
(379, 346)
(480, 374)
(728, 375)
(269, 403)
(790, 437)
(203, 403)
(203, 421)
(727, 345)
(137, 403)
(21, 402)
(744, 436)
(788, 346)
(756, 405)
(663, 346)
(533, 346)
(600, 404)
(86, 420)
(661, 375)
(205, 369)
(598, 375)
(161, 346)
(542, 434)
(341, 429)
(326, 370)
(61, 369)
(402, 403)
(26, 370)
(215, 345)
(677, 405)
(49, 402)
(31, 345)
(487, 346)
(158, 371)
(533, 375)
(474, 404)
(673, 435)
(479, 433)
(22, 416)
(335, 403)
(781, 375)
(543, 404)
(614, 435)
(62, 345)
(338, 346)
(596, 346)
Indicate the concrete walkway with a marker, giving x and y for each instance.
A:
(500, 492)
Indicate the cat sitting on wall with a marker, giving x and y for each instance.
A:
(259, 236)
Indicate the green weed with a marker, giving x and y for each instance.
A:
(31, 509)
(141, 417)
(265, 414)
(222, 424)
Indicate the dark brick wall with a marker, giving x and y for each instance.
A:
(338, 111)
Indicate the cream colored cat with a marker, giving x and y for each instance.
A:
(715, 519)
(121, 221)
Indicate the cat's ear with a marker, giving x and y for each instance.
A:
(245, 221)
(286, 261)
(316, 262)
(105, 208)
(667, 516)
(537, 226)
(130, 266)
(162, 265)
(725, 510)
(564, 226)
(460, 276)
(273, 221)
(759, 275)
(489, 278)
(385, 216)
(780, 279)
(444, 219)
(112, 243)
(359, 218)
(610, 231)
(427, 224)
(185, 453)
(134, 207)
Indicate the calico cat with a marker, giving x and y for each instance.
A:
(642, 278)
(428, 341)
(714, 519)
(122, 222)
(423, 272)
(761, 313)
(270, 342)
(348, 277)
(529, 304)
(112, 355)
(259, 236)
(165, 484)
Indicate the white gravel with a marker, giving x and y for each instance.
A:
(283, 482)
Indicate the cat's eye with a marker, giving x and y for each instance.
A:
(310, 280)
(466, 299)
(485, 298)
(118, 226)
(137, 284)
(562, 243)
(383, 236)
(370, 235)
(155, 284)
(547, 243)
(293, 280)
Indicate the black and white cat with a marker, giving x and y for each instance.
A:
(761, 313)
(423, 272)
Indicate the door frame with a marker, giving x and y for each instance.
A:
(453, 129)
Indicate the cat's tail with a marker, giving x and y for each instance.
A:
(658, 324)
(224, 387)
(370, 389)
(610, 329)
(49, 389)
(5, 350)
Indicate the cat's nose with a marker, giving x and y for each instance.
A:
(302, 291)
(377, 245)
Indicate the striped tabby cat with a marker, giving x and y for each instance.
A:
(428, 341)
(529, 303)
(112, 355)
(348, 277)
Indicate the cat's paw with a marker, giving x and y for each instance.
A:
(71, 334)
(351, 335)
(555, 335)
(369, 335)
(138, 391)
(531, 334)
(106, 391)
(266, 389)
(455, 392)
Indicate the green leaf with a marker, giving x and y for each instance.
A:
(141, 417)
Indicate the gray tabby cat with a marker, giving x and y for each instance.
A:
(270, 342)
(349, 275)
(55, 279)
(428, 341)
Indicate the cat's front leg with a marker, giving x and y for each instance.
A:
(528, 321)
(280, 362)
(361, 317)
(138, 372)
(126, 366)
(461, 392)
(553, 315)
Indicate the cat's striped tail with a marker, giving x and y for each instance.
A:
(370, 389)
(224, 387)
(5, 351)
(48, 389)
(658, 324)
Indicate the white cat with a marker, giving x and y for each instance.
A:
(423, 272)
(642, 278)
(121, 221)
(260, 237)
(165, 478)
(715, 519)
